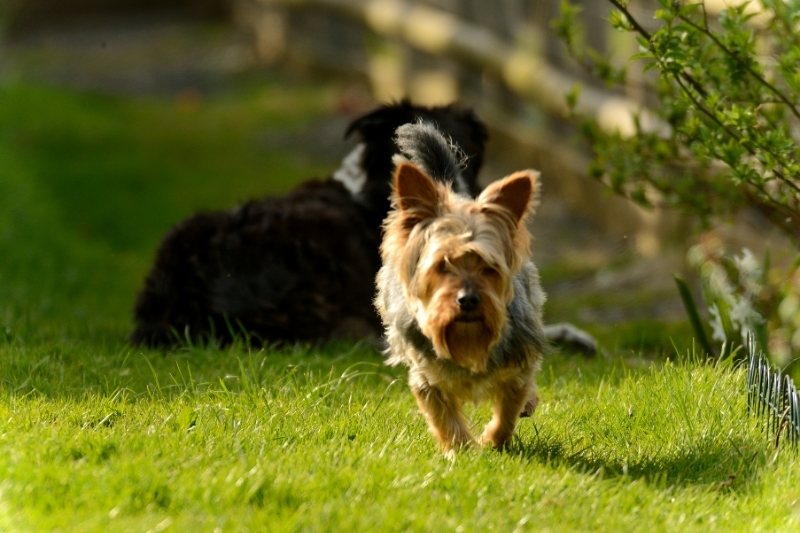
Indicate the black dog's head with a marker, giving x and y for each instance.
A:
(376, 131)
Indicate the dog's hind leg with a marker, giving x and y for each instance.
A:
(530, 405)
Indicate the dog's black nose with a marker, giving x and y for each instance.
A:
(468, 300)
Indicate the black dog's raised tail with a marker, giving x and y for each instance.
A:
(425, 146)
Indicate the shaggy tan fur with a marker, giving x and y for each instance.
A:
(461, 301)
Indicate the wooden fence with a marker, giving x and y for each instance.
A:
(473, 47)
(501, 56)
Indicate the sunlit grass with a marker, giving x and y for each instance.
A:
(98, 436)
(329, 438)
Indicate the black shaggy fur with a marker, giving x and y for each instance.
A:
(293, 268)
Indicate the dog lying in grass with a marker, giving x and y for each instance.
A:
(300, 268)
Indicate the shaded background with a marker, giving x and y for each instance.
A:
(118, 121)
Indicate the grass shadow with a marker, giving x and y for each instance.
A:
(729, 465)
(74, 368)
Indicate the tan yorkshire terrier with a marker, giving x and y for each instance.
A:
(458, 294)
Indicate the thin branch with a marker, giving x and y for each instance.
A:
(648, 36)
(705, 14)
(683, 76)
(708, 113)
(774, 90)
(631, 20)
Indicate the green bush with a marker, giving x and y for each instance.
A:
(720, 135)
(728, 89)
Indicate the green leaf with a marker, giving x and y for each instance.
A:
(572, 97)
(693, 314)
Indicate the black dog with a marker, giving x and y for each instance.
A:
(299, 267)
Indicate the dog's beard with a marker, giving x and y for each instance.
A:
(467, 343)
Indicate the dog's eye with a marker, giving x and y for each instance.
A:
(490, 272)
(441, 267)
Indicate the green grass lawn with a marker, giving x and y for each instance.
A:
(98, 436)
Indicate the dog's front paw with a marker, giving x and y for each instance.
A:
(451, 450)
(496, 436)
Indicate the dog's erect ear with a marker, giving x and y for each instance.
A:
(413, 189)
(518, 193)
